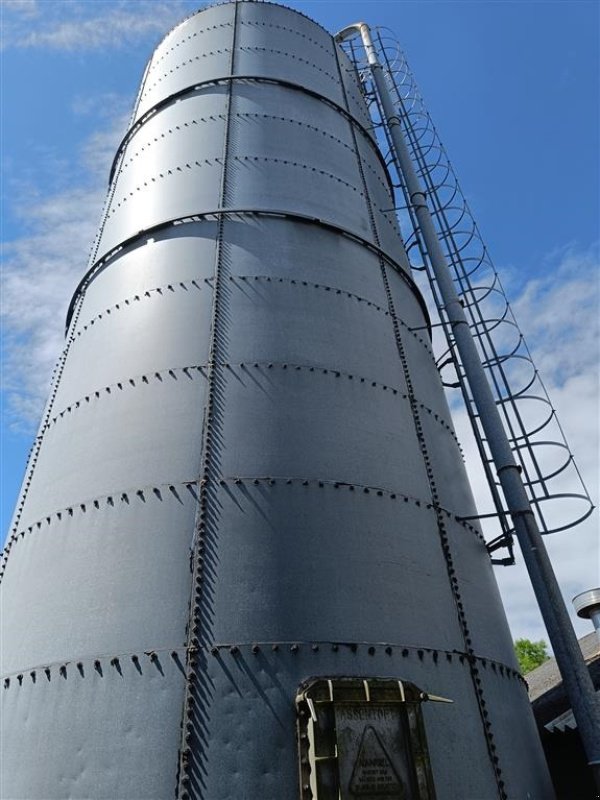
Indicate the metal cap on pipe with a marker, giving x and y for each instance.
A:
(587, 605)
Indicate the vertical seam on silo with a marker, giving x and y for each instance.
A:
(443, 535)
(197, 623)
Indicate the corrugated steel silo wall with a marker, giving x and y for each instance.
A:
(247, 473)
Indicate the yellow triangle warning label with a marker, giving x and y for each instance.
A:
(374, 775)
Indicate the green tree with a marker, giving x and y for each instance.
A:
(530, 654)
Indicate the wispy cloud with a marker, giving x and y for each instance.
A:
(100, 105)
(23, 8)
(71, 25)
(41, 269)
(563, 307)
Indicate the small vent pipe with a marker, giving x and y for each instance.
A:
(579, 686)
(587, 606)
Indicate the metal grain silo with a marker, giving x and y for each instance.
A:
(237, 569)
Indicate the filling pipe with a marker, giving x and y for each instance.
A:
(576, 678)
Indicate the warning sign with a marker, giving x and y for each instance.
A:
(374, 775)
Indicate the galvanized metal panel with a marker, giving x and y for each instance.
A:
(169, 257)
(107, 580)
(183, 186)
(283, 322)
(186, 74)
(307, 252)
(376, 177)
(297, 187)
(192, 38)
(107, 732)
(289, 47)
(171, 70)
(389, 232)
(263, 32)
(270, 409)
(139, 338)
(171, 196)
(274, 121)
(407, 307)
(139, 435)
(286, 25)
(170, 137)
(333, 536)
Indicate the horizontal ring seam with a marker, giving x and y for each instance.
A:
(129, 301)
(135, 239)
(125, 383)
(123, 495)
(193, 88)
(210, 648)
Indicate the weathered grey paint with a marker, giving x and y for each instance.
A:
(247, 473)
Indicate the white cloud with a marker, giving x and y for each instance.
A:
(70, 25)
(562, 314)
(42, 268)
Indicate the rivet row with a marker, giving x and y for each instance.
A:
(100, 665)
(169, 288)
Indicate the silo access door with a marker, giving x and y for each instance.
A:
(363, 739)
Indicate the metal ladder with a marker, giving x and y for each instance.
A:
(532, 426)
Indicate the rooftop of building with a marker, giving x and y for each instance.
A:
(547, 694)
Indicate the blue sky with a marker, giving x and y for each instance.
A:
(513, 88)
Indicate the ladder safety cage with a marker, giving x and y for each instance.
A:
(550, 475)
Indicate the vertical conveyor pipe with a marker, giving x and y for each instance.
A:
(580, 689)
